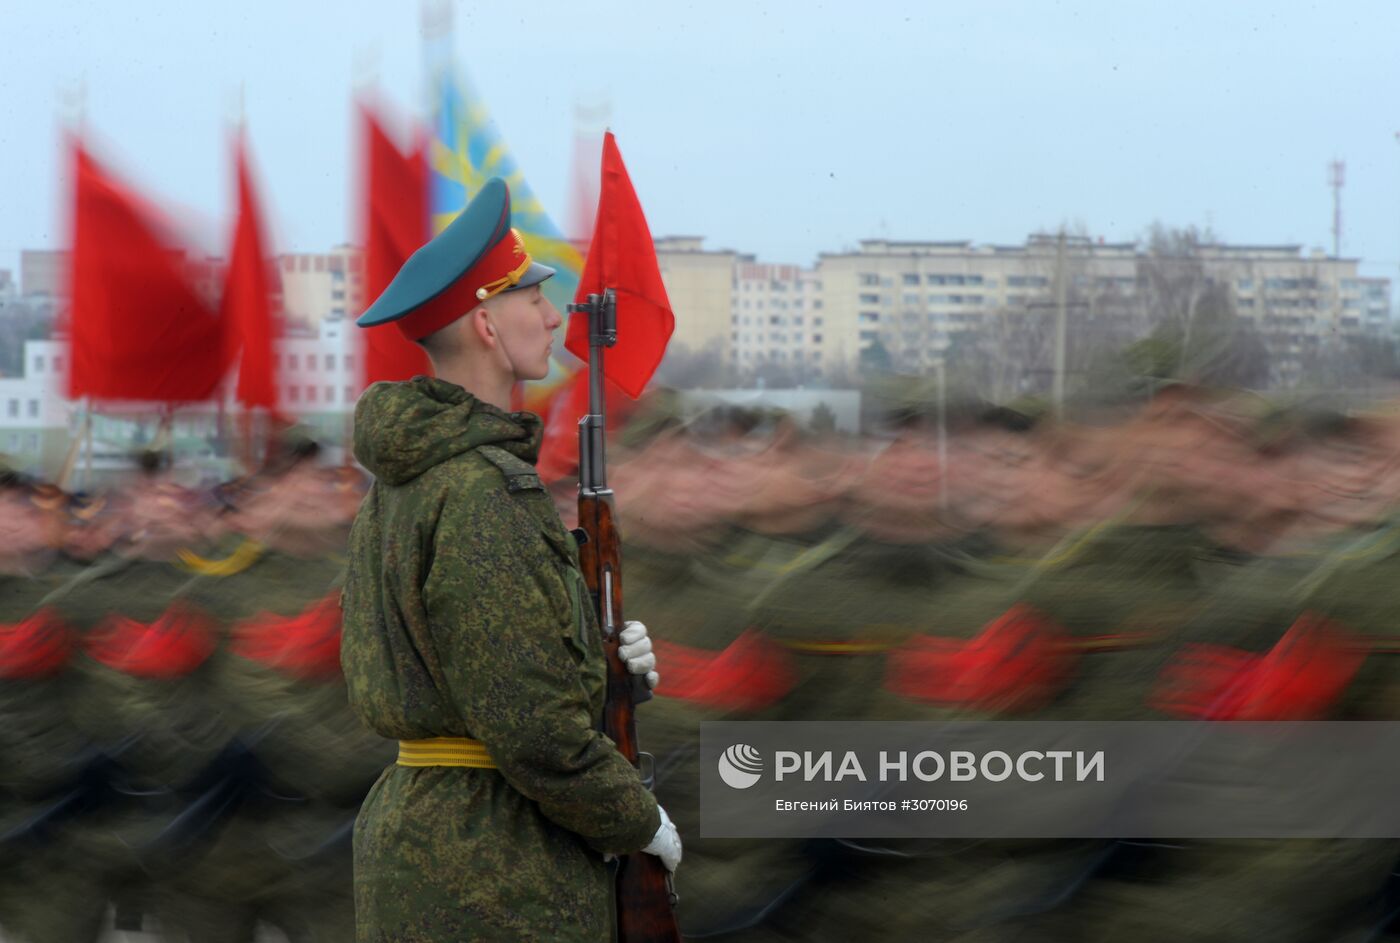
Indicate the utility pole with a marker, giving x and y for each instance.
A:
(942, 431)
(1058, 388)
(1336, 179)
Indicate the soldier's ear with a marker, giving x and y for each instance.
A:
(481, 326)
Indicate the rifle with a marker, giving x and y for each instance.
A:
(646, 899)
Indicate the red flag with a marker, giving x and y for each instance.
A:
(1302, 677)
(394, 223)
(36, 647)
(750, 674)
(173, 646)
(247, 305)
(559, 450)
(622, 256)
(306, 645)
(1017, 662)
(137, 328)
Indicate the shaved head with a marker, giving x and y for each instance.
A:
(445, 343)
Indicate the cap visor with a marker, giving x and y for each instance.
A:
(535, 274)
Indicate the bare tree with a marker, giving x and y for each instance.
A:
(1192, 314)
(1074, 310)
(20, 321)
(687, 369)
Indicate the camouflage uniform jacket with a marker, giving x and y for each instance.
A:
(466, 616)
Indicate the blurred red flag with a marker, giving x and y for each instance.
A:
(395, 223)
(137, 328)
(305, 646)
(1017, 662)
(559, 450)
(750, 674)
(1302, 677)
(622, 256)
(247, 302)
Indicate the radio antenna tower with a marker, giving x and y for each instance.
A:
(1337, 178)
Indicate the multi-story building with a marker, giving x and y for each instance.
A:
(1374, 303)
(318, 287)
(318, 375)
(777, 318)
(35, 418)
(700, 285)
(1300, 303)
(915, 297)
(43, 272)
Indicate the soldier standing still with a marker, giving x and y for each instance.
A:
(468, 633)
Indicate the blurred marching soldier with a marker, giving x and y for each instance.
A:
(141, 694)
(1256, 647)
(279, 849)
(677, 501)
(47, 893)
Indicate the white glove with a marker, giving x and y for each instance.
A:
(666, 844)
(635, 650)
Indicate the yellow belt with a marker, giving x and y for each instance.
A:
(445, 751)
(837, 648)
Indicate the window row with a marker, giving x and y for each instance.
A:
(335, 264)
(774, 285)
(296, 361)
(27, 442)
(913, 278)
(759, 356)
(31, 410)
(797, 320)
(314, 394)
(774, 337)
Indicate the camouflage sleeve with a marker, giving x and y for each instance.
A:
(496, 594)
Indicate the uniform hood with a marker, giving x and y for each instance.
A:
(404, 429)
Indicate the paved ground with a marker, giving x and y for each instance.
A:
(266, 934)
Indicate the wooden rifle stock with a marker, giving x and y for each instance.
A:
(645, 899)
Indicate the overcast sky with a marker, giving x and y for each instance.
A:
(782, 129)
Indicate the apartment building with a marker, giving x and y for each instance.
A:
(700, 284)
(915, 297)
(777, 317)
(318, 375)
(1299, 302)
(321, 286)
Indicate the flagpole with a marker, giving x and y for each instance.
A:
(221, 436)
(70, 460)
(246, 449)
(87, 434)
(70, 457)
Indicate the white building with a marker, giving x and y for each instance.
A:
(325, 286)
(318, 377)
(777, 318)
(35, 417)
